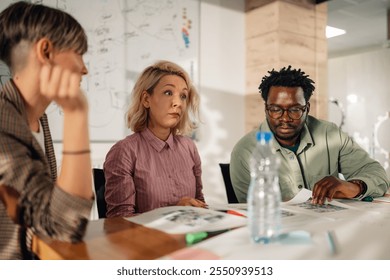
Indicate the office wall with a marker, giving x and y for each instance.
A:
(222, 80)
(360, 83)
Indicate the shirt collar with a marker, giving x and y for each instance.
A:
(156, 142)
(306, 138)
(11, 92)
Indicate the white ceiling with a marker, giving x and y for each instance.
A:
(365, 22)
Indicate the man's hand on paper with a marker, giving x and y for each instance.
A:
(331, 187)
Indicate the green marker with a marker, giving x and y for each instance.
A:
(193, 238)
(368, 199)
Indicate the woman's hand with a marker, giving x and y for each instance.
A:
(63, 86)
(189, 201)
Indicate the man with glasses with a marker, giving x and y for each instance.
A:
(313, 152)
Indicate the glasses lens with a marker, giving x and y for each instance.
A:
(295, 113)
(275, 112)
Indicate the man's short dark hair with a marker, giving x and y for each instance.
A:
(287, 77)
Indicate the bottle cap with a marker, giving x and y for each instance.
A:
(263, 136)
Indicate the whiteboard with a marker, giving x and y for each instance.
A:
(124, 37)
(4, 73)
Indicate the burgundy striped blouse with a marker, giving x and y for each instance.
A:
(143, 173)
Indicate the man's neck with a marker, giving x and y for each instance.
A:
(290, 142)
(294, 147)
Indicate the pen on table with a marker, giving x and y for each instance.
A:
(195, 237)
(232, 212)
(236, 213)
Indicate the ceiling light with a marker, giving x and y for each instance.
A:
(333, 32)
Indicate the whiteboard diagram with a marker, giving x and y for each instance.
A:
(124, 37)
(4, 74)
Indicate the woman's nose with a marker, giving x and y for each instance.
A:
(84, 70)
(176, 101)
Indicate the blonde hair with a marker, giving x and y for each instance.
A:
(137, 114)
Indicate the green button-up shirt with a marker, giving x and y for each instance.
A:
(323, 150)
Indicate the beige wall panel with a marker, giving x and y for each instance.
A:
(255, 75)
(321, 20)
(253, 4)
(297, 19)
(297, 48)
(262, 21)
(322, 61)
(262, 55)
(262, 50)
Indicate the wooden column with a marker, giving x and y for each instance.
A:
(388, 24)
(281, 33)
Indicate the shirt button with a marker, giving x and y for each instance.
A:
(300, 187)
(291, 157)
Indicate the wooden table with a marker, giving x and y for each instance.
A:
(111, 239)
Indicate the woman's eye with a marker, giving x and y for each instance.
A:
(168, 92)
(183, 97)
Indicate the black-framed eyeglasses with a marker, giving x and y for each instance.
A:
(295, 113)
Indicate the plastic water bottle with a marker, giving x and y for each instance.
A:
(264, 198)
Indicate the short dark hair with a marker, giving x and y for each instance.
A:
(31, 22)
(287, 77)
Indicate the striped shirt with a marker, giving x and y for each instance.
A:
(143, 173)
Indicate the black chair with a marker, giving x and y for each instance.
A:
(100, 181)
(231, 196)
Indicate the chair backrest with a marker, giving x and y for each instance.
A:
(100, 181)
(231, 196)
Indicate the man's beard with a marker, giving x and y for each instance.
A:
(295, 135)
(288, 137)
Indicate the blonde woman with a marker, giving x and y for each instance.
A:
(157, 165)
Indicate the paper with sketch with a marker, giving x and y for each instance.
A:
(304, 196)
(230, 206)
(186, 219)
(301, 203)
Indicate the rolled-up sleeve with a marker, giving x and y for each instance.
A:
(355, 163)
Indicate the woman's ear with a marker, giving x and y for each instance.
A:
(44, 49)
(145, 99)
